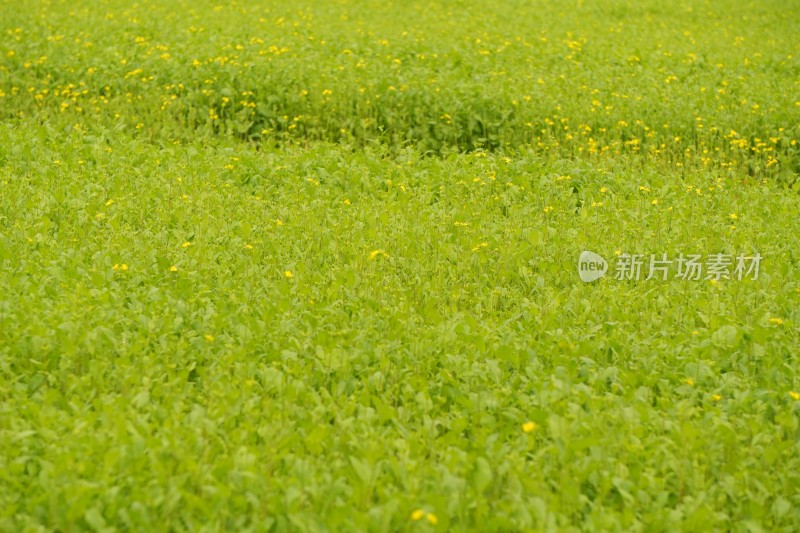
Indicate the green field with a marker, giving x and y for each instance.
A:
(313, 266)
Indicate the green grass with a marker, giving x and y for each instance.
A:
(331, 311)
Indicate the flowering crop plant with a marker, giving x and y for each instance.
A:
(362, 265)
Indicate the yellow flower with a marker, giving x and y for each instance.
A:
(346, 201)
(777, 321)
(716, 397)
(173, 268)
(794, 395)
(418, 514)
(288, 274)
(278, 222)
(689, 381)
(375, 253)
(123, 267)
(733, 216)
(528, 426)
(208, 337)
(248, 246)
(432, 518)
(186, 244)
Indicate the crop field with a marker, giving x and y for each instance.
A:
(360, 265)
